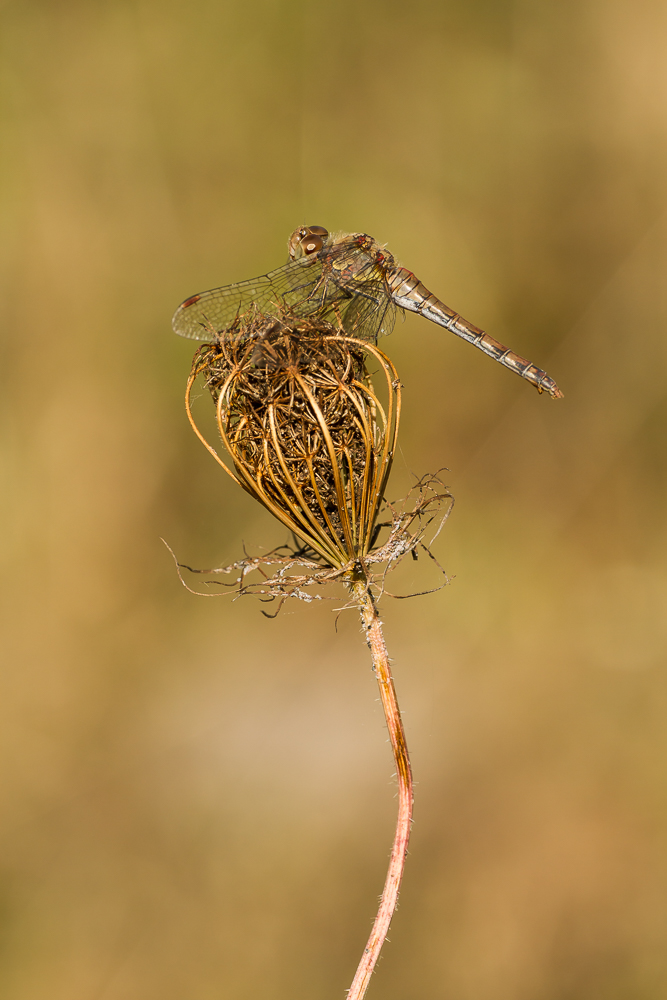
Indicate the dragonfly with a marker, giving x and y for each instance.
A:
(349, 280)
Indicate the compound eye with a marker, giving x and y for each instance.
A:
(311, 244)
(306, 240)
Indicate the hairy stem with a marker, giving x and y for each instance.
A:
(373, 628)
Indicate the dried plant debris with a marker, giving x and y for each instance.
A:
(293, 570)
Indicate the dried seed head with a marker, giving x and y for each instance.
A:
(308, 434)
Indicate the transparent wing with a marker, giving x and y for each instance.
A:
(370, 313)
(341, 284)
(208, 314)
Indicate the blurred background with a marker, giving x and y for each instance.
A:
(198, 802)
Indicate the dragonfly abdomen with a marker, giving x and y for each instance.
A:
(409, 293)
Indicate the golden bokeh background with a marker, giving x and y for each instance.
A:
(198, 802)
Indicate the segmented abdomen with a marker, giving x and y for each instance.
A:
(409, 293)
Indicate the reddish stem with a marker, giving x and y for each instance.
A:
(375, 638)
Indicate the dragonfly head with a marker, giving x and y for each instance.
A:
(306, 240)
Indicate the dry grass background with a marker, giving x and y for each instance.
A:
(197, 801)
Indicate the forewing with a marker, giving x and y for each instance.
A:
(341, 284)
(205, 316)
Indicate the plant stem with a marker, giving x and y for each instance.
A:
(381, 669)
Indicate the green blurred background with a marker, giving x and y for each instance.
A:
(198, 802)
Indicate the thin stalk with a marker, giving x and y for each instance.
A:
(375, 638)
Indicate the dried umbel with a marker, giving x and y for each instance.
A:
(305, 428)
